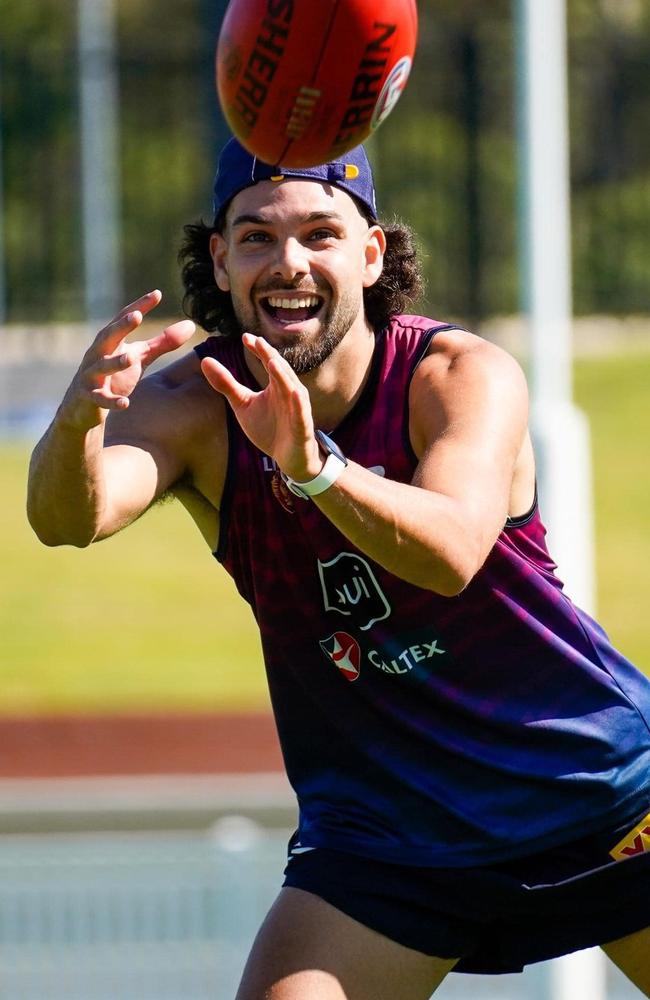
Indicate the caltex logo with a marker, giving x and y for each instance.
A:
(344, 652)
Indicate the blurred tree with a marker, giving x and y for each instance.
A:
(40, 153)
(610, 152)
(170, 124)
(445, 160)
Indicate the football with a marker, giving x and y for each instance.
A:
(300, 82)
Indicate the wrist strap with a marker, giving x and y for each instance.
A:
(328, 475)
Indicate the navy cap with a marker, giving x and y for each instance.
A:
(239, 169)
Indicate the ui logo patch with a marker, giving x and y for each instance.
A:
(344, 652)
(350, 587)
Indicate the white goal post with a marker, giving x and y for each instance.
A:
(560, 431)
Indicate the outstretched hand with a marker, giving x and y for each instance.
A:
(111, 368)
(277, 419)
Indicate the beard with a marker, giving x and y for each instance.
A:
(304, 354)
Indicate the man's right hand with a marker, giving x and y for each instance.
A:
(73, 498)
(111, 368)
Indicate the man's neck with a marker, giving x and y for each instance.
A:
(336, 385)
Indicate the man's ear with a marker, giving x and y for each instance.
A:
(218, 252)
(374, 251)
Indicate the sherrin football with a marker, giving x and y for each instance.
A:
(302, 81)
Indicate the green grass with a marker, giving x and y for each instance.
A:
(149, 620)
(615, 394)
(145, 620)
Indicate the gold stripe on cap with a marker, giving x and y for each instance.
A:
(351, 172)
(279, 177)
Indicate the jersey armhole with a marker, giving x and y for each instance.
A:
(423, 347)
(524, 519)
(228, 490)
(204, 350)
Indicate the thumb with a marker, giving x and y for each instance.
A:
(224, 382)
(170, 339)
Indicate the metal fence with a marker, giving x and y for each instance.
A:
(170, 916)
(134, 916)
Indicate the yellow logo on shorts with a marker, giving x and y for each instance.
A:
(637, 841)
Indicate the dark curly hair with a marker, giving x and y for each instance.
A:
(398, 287)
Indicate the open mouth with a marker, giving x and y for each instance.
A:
(292, 310)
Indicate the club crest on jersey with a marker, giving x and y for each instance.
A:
(344, 652)
(278, 485)
(281, 493)
(350, 587)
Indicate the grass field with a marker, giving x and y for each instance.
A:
(615, 394)
(148, 620)
(145, 620)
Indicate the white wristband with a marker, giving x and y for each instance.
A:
(335, 463)
(328, 475)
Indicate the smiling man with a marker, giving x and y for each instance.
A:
(307, 315)
(470, 755)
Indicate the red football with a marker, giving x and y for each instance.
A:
(302, 81)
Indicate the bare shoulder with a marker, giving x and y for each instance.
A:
(176, 416)
(457, 352)
(168, 402)
(466, 379)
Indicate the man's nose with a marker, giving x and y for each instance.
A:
(291, 258)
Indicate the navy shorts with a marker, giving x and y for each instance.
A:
(500, 918)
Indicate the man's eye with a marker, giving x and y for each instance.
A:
(256, 237)
(322, 234)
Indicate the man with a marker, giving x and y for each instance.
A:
(471, 756)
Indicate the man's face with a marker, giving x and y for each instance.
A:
(295, 256)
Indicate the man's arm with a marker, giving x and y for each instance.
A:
(468, 409)
(468, 426)
(78, 489)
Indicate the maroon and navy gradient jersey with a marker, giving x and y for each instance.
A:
(417, 728)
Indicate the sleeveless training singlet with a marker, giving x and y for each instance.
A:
(416, 728)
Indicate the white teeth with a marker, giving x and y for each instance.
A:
(307, 303)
